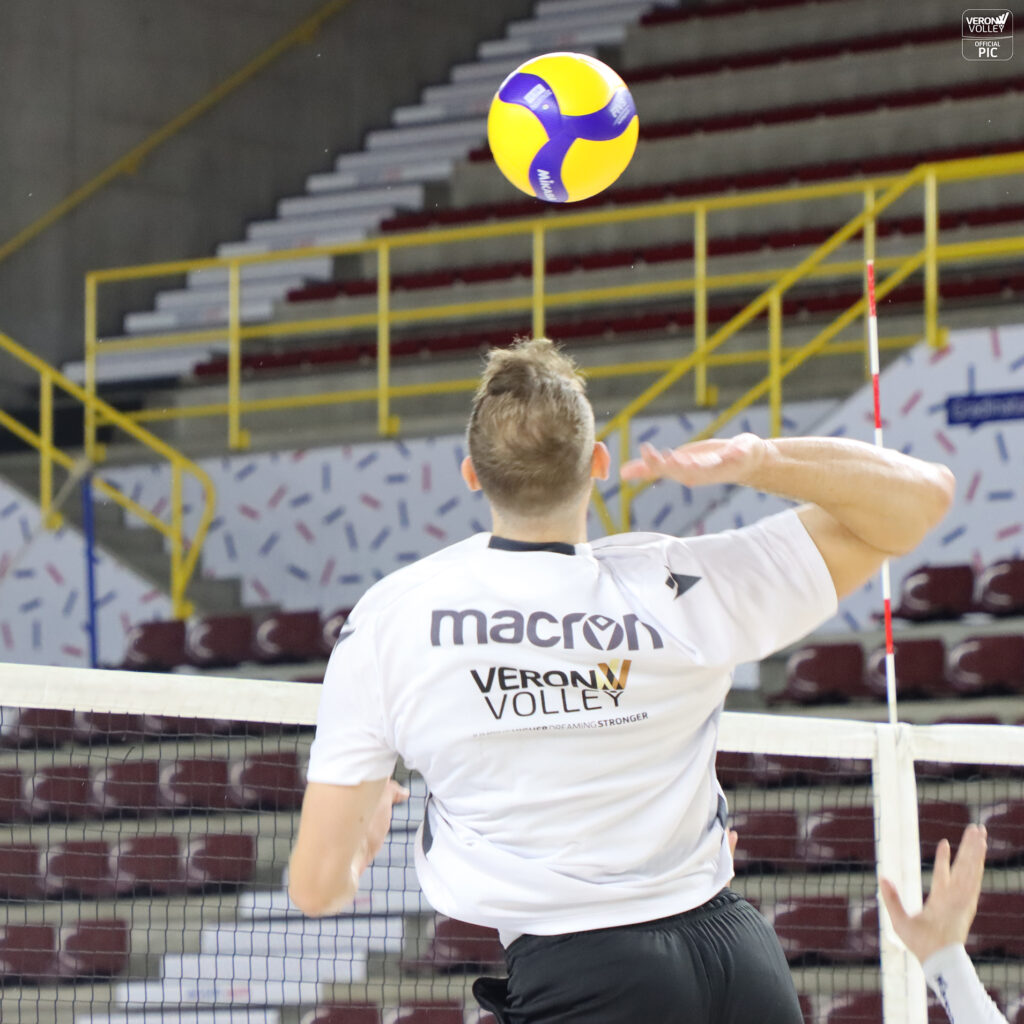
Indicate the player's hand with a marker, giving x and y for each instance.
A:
(945, 919)
(380, 825)
(714, 461)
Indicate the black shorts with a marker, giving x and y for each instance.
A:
(720, 963)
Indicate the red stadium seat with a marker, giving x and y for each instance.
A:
(735, 768)
(20, 872)
(458, 947)
(195, 783)
(806, 1007)
(36, 727)
(936, 592)
(840, 836)
(127, 788)
(1001, 588)
(920, 669)
(983, 665)
(219, 641)
(854, 1008)
(820, 673)
(938, 820)
(176, 725)
(267, 781)
(447, 1012)
(344, 1013)
(156, 646)
(768, 840)
(330, 629)
(863, 941)
(102, 727)
(1005, 824)
(28, 952)
(220, 859)
(288, 636)
(150, 864)
(93, 949)
(12, 803)
(812, 929)
(997, 926)
(1015, 1010)
(59, 793)
(80, 867)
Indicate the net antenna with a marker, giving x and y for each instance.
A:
(890, 660)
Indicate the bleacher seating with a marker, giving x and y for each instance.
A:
(936, 592)
(44, 954)
(1001, 588)
(988, 665)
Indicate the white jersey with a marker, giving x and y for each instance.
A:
(562, 703)
(952, 977)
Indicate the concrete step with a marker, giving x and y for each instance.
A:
(312, 237)
(158, 321)
(575, 40)
(296, 226)
(216, 991)
(313, 268)
(269, 290)
(346, 966)
(401, 197)
(472, 131)
(435, 170)
(255, 1015)
(558, 25)
(305, 937)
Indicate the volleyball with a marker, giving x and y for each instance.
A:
(562, 127)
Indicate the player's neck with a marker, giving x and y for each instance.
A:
(570, 529)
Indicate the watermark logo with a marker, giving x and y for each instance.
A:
(988, 34)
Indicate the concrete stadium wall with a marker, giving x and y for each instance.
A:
(82, 83)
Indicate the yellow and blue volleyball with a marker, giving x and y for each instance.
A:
(562, 127)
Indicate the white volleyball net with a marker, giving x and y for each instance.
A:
(148, 821)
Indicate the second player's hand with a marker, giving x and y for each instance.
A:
(715, 461)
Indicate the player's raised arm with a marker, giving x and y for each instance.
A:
(866, 504)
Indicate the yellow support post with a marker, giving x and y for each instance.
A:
(237, 437)
(50, 518)
(931, 263)
(179, 580)
(775, 361)
(387, 425)
(88, 407)
(700, 305)
(538, 280)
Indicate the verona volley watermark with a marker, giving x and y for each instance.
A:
(988, 34)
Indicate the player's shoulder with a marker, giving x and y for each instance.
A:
(634, 545)
(405, 582)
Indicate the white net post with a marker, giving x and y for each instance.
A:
(897, 844)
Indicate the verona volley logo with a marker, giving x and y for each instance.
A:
(988, 34)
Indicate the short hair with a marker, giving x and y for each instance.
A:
(531, 431)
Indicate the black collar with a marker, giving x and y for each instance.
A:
(504, 544)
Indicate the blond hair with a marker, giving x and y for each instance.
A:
(531, 431)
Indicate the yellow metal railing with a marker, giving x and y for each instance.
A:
(129, 163)
(183, 551)
(873, 197)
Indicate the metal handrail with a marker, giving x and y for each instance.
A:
(184, 552)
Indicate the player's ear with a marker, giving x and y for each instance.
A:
(469, 474)
(600, 461)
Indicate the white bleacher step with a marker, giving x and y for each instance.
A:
(311, 268)
(182, 1015)
(251, 291)
(522, 47)
(157, 321)
(252, 247)
(215, 991)
(386, 902)
(244, 969)
(120, 367)
(417, 157)
(402, 197)
(558, 8)
(322, 936)
(385, 173)
(456, 93)
(291, 227)
(471, 131)
(569, 22)
(496, 69)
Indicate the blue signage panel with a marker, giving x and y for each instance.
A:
(983, 407)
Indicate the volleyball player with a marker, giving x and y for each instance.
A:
(560, 697)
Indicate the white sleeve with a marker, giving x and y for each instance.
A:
(351, 743)
(771, 584)
(952, 977)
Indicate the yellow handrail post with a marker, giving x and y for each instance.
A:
(178, 579)
(237, 438)
(775, 361)
(538, 281)
(387, 425)
(700, 304)
(50, 518)
(89, 408)
(869, 254)
(931, 263)
(625, 488)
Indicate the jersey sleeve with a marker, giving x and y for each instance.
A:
(351, 743)
(952, 977)
(770, 584)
